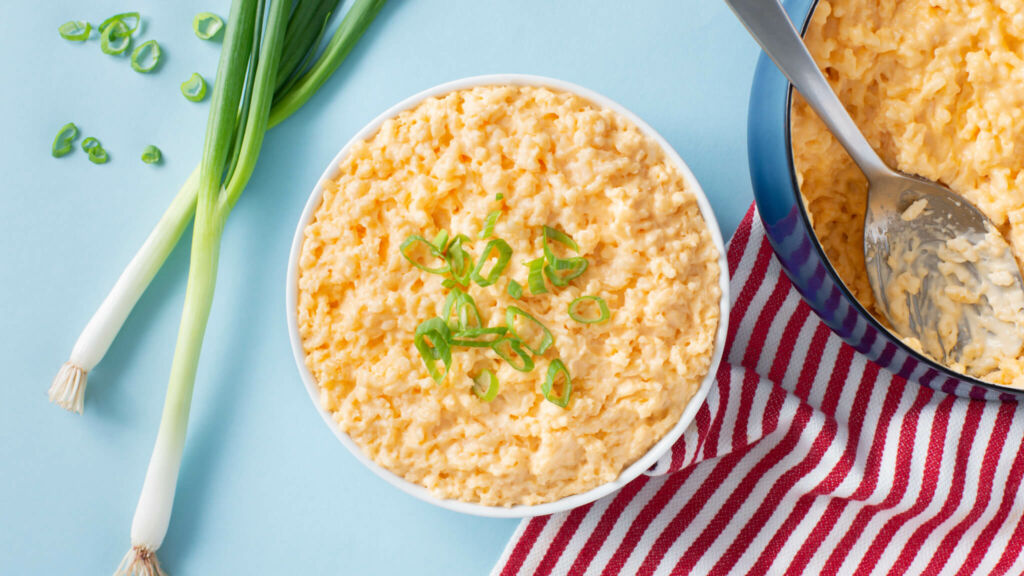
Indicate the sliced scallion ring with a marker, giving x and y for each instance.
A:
(485, 385)
(194, 88)
(563, 271)
(146, 57)
(207, 25)
(467, 315)
(490, 223)
(151, 155)
(602, 306)
(64, 141)
(546, 338)
(548, 387)
(415, 241)
(478, 337)
(504, 254)
(75, 30)
(536, 277)
(432, 341)
(89, 143)
(560, 237)
(115, 39)
(97, 155)
(441, 241)
(459, 260)
(515, 289)
(511, 350)
(129, 23)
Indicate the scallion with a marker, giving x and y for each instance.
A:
(602, 307)
(441, 241)
(459, 260)
(535, 280)
(485, 385)
(129, 23)
(478, 337)
(115, 38)
(414, 241)
(207, 25)
(546, 338)
(75, 30)
(432, 339)
(462, 305)
(515, 289)
(489, 224)
(510, 349)
(194, 89)
(146, 57)
(562, 272)
(151, 155)
(90, 143)
(556, 368)
(64, 141)
(98, 155)
(503, 253)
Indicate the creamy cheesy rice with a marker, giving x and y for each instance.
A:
(937, 87)
(560, 161)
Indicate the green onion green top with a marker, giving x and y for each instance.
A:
(64, 141)
(415, 241)
(194, 88)
(75, 30)
(531, 330)
(602, 308)
(90, 143)
(129, 23)
(556, 368)
(485, 385)
(431, 340)
(503, 253)
(489, 224)
(97, 155)
(510, 349)
(146, 57)
(151, 155)
(515, 289)
(207, 25)
(116, 36)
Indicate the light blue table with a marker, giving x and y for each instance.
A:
(265, 488)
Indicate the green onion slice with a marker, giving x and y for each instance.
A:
(460, 261)
(194, 88)
(206, 25)
(64, 140)
(151, 155)
(511, 350)
(467, 315)
(115, 39)
(75, 30)
(478, 337)
(562, 272)
(448, 283)
(602, 306)
(560, 237)
(548, 387)
(146, 56)
(415, 241)
(441, 241)
(489, 224)
(90, 143)
(432, 341)
(532, 330)
(129, 23)
(485, 385)
(499, 196)
(504, 254)
(536, 277)
(515, 289)
(97, 155)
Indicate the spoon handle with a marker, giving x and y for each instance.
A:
(767, 22)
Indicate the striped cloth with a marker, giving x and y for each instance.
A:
(806, 458)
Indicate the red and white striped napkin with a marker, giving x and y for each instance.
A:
(806, 458)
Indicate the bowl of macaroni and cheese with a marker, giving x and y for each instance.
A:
(507, 296)
(934, 89)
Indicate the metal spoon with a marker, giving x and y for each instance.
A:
(940, 271)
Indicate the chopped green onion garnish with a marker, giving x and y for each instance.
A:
(459, 260)
(194, 88)
(477, 337)
(546, 339)
(441, 241)
(415, 240)
(115, 39)
(90, 143)
(558, 236)
(64, 141)
(151, 155)
(467, 315)
(510, 348)
(515, 289)
(504, 254)
(492, 220)
(448, 283)
(536, 278)
(146, 56)
(564, 271)
(97, 155)
(499, 196)
(431, 340)
(602, 306)
(129, 23)
(548, 387)
(75, 30)
(485, 385)
(206, 25)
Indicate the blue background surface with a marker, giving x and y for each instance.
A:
(265, 488)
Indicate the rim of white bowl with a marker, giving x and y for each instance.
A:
(569, 502)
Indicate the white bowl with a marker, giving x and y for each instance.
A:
(569, 502)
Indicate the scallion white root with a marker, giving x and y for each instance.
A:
(140, 561)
